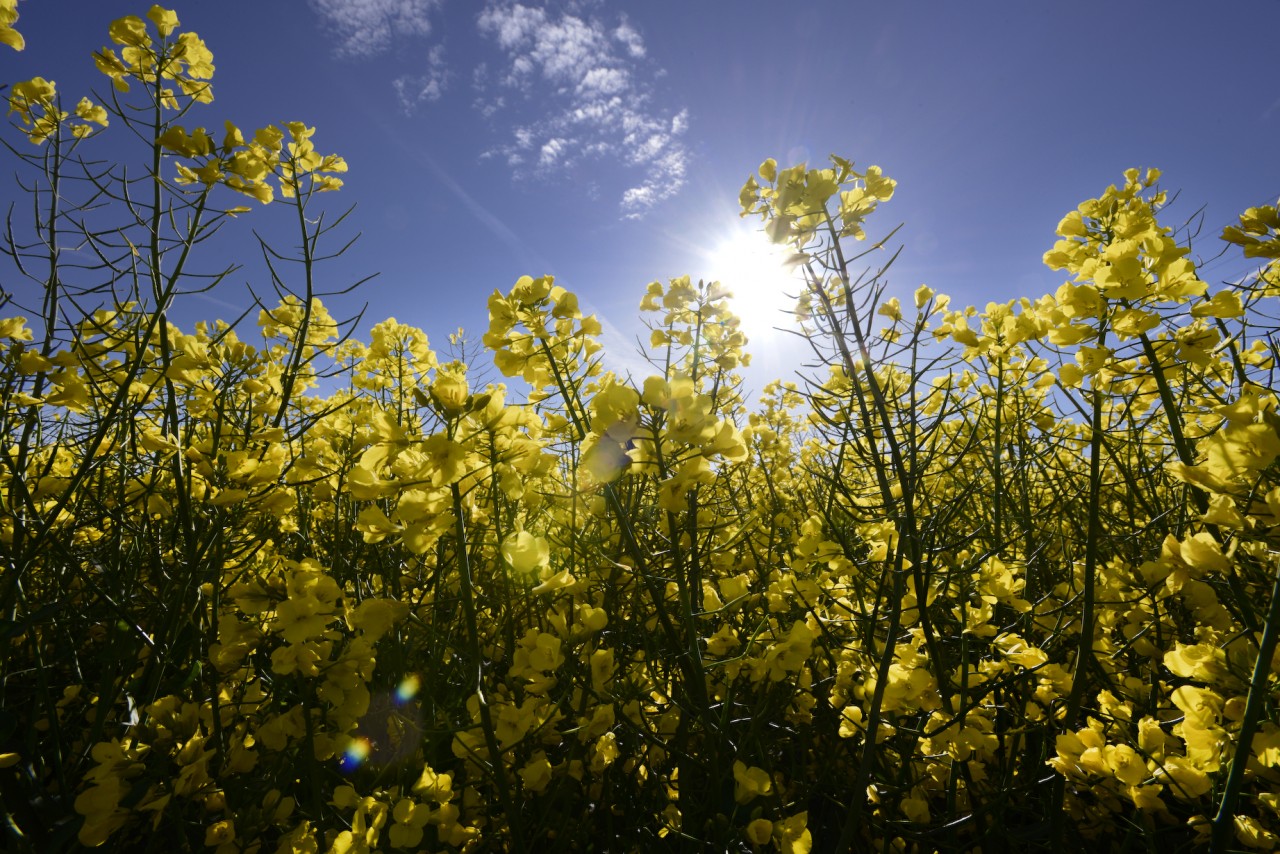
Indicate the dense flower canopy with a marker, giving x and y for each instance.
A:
(984, 575)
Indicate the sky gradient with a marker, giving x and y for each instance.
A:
(605, 143)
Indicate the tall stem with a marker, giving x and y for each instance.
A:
(496, 766)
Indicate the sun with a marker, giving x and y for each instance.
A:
(764, 285)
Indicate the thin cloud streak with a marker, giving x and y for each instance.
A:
(621, 352)
(491, 222)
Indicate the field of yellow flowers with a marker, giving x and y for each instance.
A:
(998, 580)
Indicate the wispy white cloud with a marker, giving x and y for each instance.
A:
(627, 35)
(585, 84)
(551, 151)
(570, 87)
(366, 28)
(527, 255)
(415, 89)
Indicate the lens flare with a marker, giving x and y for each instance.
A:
(408, 689)
(355, 755)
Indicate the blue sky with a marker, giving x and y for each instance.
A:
(605, 142)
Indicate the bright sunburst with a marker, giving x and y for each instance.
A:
(763, 286)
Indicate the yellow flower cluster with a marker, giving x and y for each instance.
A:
(36, 103)
(185, 60)
(979, 570)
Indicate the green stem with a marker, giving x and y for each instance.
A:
(1223, 822)
(1084, 653)
(509, 808)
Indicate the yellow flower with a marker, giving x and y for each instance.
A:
(749, 195)
(219, 832)
(327, 183)
(558, 581)
(15, 329)
(444, 460)
(303, 658)
(536, 773)
(437, 787)
(91, 112)
(198, 59)
(1186, 781)
(525, 552)
(1251, 832)
(36, 92)
(165, 20)
(196, 144)
(311, 606)
(891, 309)
(410, 818)
(110, 65)
(878, 185)
(792, 836)
(916, 810)
(130, 31)
(8, 15)
(1225, 304)
(546, 655)
(1202, 661)
(99, 806)
(851, 722)
(749, 782)
(604, 753)
(602, 668)
(375, 617)
(450, 391)
(759, 831)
